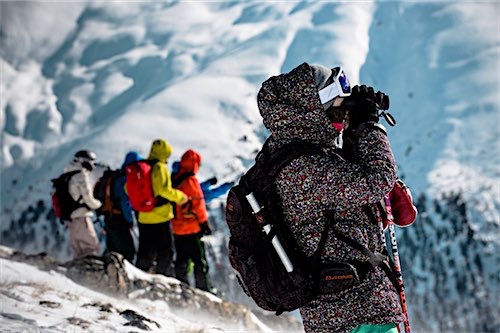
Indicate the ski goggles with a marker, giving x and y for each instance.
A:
(339, 86)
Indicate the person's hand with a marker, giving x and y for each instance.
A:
(187, 205)
(213, 180)
(363, 105)
(205, 229)
(184, 201)
(187, 209)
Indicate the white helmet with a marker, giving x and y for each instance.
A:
(85, 158)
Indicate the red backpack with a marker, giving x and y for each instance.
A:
(139, 185)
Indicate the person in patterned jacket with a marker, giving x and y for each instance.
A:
(341, 187)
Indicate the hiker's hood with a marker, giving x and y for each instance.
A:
(160, 150)
(190, 162)
(291, 108)
(132, 156)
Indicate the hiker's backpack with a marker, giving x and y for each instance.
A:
(103, 191)
(270, 266)
(139, 185)
(260, 270)
(62, 202)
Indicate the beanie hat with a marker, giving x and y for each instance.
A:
(321, 75)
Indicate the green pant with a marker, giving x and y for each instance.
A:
(385, 328)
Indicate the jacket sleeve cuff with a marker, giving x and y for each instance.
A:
(373, 125)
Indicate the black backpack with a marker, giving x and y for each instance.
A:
(290, 281)
(260, 270)
(62, 202)
(103, 191)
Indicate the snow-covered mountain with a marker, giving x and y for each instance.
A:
(114, 76)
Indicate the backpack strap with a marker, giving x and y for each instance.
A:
(279, 159)
(375, 259)
(284, 155)
(108, 204)
(68, 175)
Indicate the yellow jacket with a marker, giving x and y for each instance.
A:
(162, 185)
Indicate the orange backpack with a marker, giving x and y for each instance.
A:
(103, 191)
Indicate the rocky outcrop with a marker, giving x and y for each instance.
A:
(112, 275)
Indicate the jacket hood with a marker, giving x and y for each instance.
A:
(291, 108)
(160, 150)
(190, 162)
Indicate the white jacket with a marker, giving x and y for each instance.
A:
(81, 190)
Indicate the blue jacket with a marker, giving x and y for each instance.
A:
(212, 193)
(119, 195)
(208, 193)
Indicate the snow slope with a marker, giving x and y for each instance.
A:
(46, 300)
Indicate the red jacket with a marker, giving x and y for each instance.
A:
(190, 215)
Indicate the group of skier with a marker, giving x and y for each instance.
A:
(179, 212)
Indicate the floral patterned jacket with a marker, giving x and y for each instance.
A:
(341, 182)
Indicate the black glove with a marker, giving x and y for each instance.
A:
(363, 105)
(205, 229)
(212, 180)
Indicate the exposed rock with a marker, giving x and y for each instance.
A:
(79, 322)
(108, 274)
(102, 307)
(50, 304)
(138, 320)
(41, 260)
